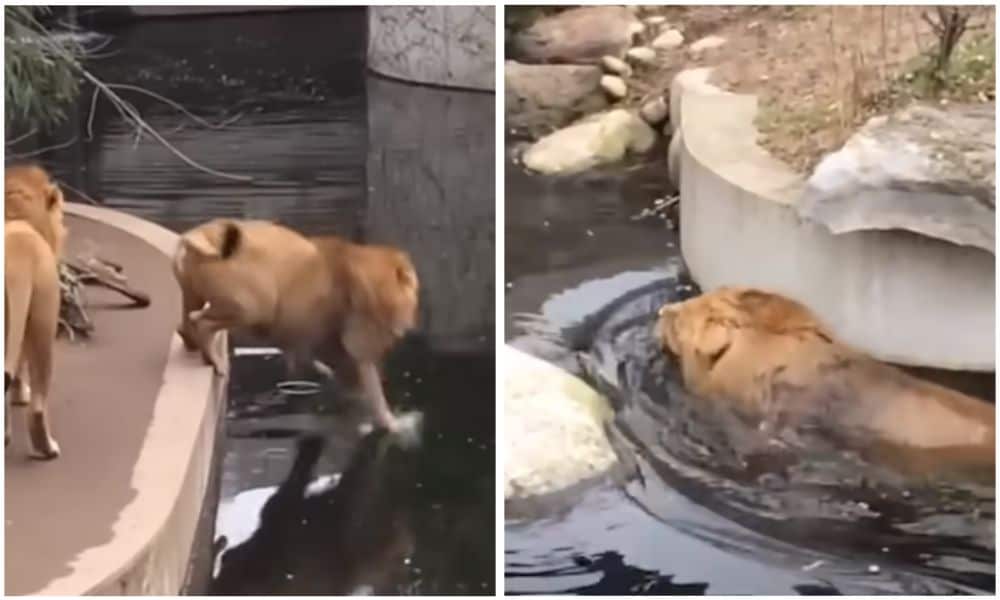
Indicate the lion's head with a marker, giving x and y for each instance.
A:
(723, 338)
(32, 196)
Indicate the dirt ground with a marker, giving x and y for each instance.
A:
(822, 71)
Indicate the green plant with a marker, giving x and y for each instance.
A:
(40, 69)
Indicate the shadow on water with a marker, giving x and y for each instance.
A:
(305, 504)
(711, 505)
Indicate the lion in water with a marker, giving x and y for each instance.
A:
(768, 358)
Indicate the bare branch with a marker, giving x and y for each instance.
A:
(21, 138)
(130, 112)
(62, 183)
(178, 107)
(34, 153)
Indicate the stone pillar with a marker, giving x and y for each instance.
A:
(442, 45)
(430, 190)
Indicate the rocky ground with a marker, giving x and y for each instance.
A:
(819, 72)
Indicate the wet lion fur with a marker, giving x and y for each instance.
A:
(768, 357)
(34, 234)
(324, 297)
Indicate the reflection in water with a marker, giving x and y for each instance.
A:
(330, 541)
(712, 503)
(331, 150)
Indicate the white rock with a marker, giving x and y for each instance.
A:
(616, 66)
(668, 40)
(599, 139)
(707, 43)
(654, 111)
(642, 55)
(655, 21)
(553, 428)
(614, 86)
(636, 29)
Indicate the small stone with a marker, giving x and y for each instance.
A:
(635, 30)
(655, 21)
(707, 43)
(668, 40)
(642, 55)
(654, 111)
(616, 66)
(614, 86)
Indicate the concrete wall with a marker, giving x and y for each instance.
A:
(899, 296)
(430, 173)
(441, 45)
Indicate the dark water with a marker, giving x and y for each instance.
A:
(307, 505)
(708, 506)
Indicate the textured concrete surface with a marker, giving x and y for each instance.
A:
(135, 416)
(441, 45)
(898, 295)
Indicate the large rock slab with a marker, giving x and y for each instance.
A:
(925, 169)
(578, 36)
(554, 428)
(545, 97)
(600, 139)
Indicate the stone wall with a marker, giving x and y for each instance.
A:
(430, 175)
(441, 45)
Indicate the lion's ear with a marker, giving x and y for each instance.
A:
(55, 197)
(713, 341)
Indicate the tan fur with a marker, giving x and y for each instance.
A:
(33, 240)
(346, 303)
(770, 358)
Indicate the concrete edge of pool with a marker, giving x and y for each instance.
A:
(153, 535)
(900, 296)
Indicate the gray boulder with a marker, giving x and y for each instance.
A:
(925, 169)
(544, 97)
(578, 36)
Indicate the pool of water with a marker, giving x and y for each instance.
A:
(707, 505)
(306, 504)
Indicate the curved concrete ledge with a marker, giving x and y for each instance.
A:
(451, 46)
(149, 550)
(900, 296)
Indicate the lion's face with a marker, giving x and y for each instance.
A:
(696, 332)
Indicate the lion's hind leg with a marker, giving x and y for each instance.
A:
(43, 322)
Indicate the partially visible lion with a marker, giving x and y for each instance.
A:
(769, 358)
(33, 240)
